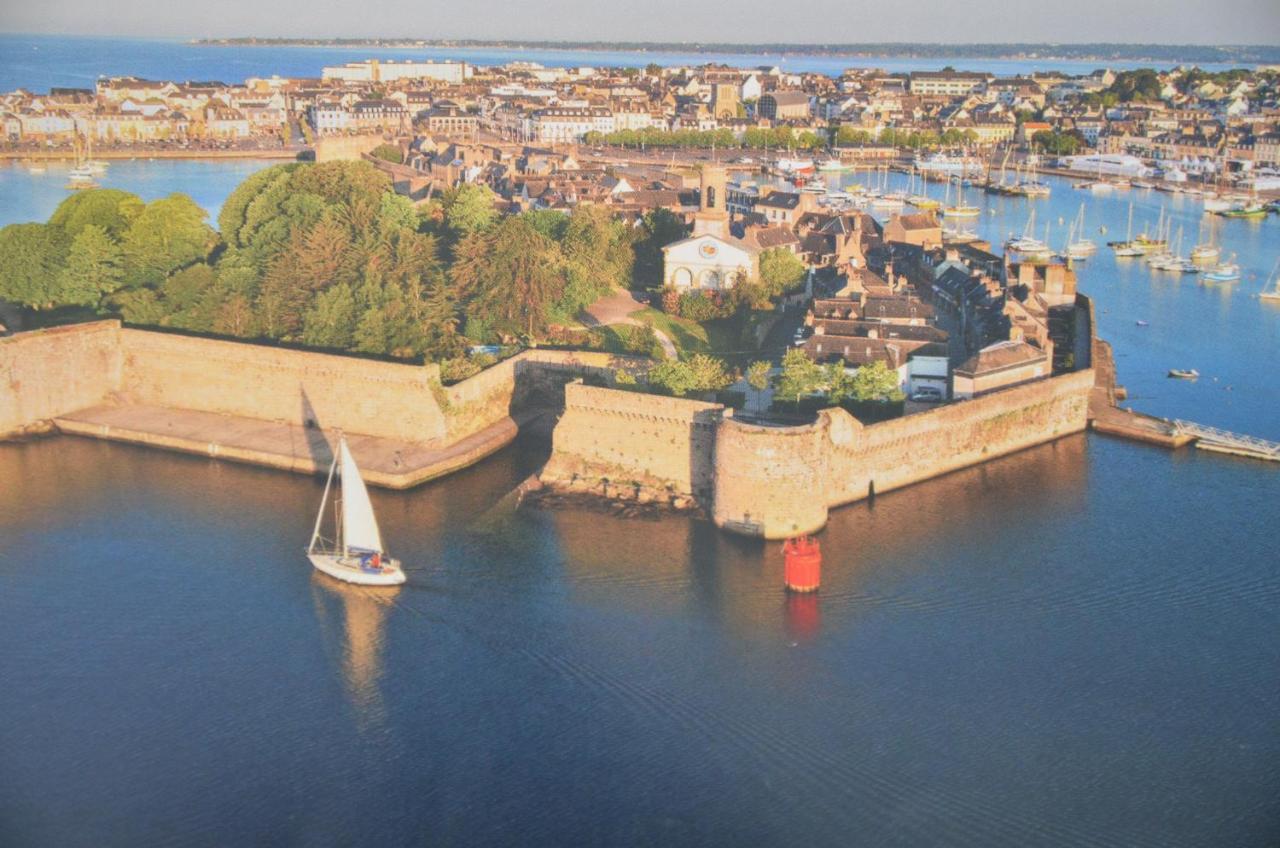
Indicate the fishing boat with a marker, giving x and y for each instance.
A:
(356, 553)
(791, 167)
(1226, 272)
(1251, 210)
(1272, 290)
(1184, 373)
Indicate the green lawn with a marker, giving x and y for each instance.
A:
(721, 337)
(689, 337)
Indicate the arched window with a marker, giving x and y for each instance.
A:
(711, 197)
(682, 278)
(709, 279)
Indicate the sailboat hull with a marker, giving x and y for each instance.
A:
(348, 570)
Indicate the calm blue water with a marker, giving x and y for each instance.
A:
(36, 62)
(27, 196)
(1075, 645)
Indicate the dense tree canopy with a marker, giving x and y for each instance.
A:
(328, 255)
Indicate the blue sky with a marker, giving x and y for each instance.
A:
(823, 21)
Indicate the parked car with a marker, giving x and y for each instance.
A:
(927, 394)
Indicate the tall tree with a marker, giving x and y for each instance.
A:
(95, 267)
(30, 262)
(523, 276)
(169, 233)
(109, 208)
(469, 209)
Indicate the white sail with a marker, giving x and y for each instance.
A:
(359, 527)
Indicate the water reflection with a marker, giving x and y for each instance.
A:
(353, 619)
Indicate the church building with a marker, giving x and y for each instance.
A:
(711, 258)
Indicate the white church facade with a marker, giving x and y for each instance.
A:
(711, 259)
(708, 262)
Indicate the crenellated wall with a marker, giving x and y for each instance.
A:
(46, 373)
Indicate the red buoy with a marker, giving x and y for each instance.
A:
(802, 564)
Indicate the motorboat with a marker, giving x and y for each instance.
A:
(1184, 373)
(1226, 272)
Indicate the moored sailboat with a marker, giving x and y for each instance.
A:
(356, 554)
(1272, 290)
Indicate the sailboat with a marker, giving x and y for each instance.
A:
(1127, 247)
(1272, 292)
(1080, 247)
(1205, 251)
(357, 554)
(961, 209)
(1028, 244)
(1159, 244)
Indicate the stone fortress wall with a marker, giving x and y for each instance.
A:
(635, 445)
(52, 372)
(99, 372)
(375, 398)
(755, 480)
(775, 482)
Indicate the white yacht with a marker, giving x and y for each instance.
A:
(356, 553)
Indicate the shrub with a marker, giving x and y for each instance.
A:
(389, 153)
(458, 369)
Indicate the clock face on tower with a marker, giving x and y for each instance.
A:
(708, 249)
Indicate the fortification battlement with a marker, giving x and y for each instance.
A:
(639, 406)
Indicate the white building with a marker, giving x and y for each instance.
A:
(330, 117)
(559, 125)
(708, 262)
(374, 70)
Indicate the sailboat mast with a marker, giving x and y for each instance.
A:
(328, 483)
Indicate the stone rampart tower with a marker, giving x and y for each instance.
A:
(771, 481)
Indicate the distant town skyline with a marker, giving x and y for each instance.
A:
(745, 21)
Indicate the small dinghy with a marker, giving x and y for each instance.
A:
(1184, 373)
(356, 554)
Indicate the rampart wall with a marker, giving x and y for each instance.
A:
(335, 148)
(632, 444)
(383, 399)
(775, 482)
(52, 373)
(47, 373)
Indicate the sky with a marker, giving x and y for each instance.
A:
(746, 21)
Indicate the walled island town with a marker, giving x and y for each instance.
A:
(718, 338)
